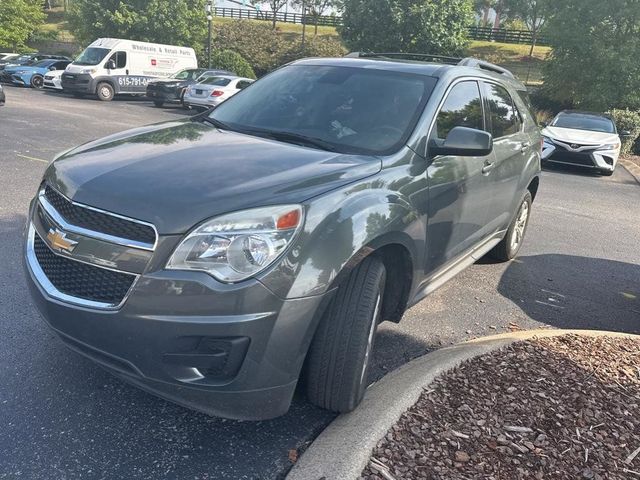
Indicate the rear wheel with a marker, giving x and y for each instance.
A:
(338, 362)
(509, 246)
(158, 103)
(37, 81)
(105, 92)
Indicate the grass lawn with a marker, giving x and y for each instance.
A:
(288, 27)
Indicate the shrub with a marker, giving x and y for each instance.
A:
(314, 47)
(628, 120)
(257, 42)
(232, 61)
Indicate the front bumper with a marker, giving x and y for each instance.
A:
(53, 83)
(78, 83)
(605, 160)
(173, 96)
(206, 102)
(228, 350)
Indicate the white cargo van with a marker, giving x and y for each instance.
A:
(112, 66)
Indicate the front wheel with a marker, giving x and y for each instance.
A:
(509, 246)
(37, 81)
(158, 103)
(105, 92)
(337, 367)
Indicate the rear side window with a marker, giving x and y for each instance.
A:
(505, 119)
(243, 84)
(462, 108)
(217, 81)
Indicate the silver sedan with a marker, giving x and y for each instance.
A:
(212, 91)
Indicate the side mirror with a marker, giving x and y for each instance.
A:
(51, 68)
(625, 133)
(544, 124)
(111, 65)
(464, 142)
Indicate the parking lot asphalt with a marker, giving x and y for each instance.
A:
(62, 417)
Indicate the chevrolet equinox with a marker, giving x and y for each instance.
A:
(221, 260)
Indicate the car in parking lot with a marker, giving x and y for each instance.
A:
(32, 75)
(584, 139)
(218, 261)
(172, 89)
(29, 59)
(53, 80)
(212, 91)
(2, 96)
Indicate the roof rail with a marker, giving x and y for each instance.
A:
(474, 62)
(425, 57)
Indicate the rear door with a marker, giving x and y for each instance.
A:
(511, 147)
(459, 191)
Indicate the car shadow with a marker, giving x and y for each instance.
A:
(567, 291)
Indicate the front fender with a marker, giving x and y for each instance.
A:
(342, 228)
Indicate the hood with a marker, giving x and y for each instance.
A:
(583, 137)
(177, 174)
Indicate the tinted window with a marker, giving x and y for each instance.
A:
(243, 84)
(581, 121)
(119, 59)
(348, 109)
(217, 81)
(504, 117)
(462, 108)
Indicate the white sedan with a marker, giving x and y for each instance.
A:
(53, 80)
(582, 138)
(212, 91)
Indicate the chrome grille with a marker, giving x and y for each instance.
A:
(93, 220)
(81, 280)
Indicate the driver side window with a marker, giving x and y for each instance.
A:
(462, 108)
(119, 59)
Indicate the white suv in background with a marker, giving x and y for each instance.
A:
(584, 139)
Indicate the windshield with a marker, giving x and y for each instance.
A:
(43, 63)
(22, 59)
(580, 121)
(217, 81)
(189, 74)
(352, 110)
(91, 56)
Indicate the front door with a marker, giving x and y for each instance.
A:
(459, 190)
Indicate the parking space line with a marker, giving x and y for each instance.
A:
(31, 158)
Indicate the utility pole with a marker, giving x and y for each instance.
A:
(209, 9)
(304, 22)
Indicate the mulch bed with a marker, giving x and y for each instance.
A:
(550, 408)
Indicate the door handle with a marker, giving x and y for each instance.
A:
(488, 166)
(524, 147)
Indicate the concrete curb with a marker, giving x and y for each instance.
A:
(632, 168)
(343, 449)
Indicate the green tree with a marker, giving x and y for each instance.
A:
(596, 46)
(232, 61)
(410, 26)
(174, 22)
(315, 9)
(19, 19)
(274, 5)
(534, 13)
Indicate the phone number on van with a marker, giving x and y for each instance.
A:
(133, 81)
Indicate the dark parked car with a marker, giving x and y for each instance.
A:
(217, 261)
(2, 96)
(171, 90)
(30, 59)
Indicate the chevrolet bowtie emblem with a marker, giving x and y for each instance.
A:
(59, 241)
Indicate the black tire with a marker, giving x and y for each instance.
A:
(508, 248)
(337, 367)
(158, 103)
(606, 173)
(105, 92)
(37, 81)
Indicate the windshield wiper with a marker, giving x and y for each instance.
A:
(292, 137)
(216, 123)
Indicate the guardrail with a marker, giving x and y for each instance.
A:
(475, 33)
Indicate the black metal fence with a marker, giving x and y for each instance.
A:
(505, 36)
(475, 33)
(286, 17)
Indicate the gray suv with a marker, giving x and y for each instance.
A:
(223, 260)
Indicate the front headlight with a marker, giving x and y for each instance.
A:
(237, 246)
(548, 142)
(610, 146)
(88, 70)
